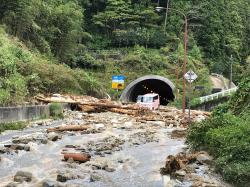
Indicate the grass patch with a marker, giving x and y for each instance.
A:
(12, 126)
(56, 110)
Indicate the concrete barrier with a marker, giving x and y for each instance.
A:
(24, 113)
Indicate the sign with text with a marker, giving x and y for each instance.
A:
(118, 82)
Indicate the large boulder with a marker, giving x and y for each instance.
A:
(204, 158)
(22, 176)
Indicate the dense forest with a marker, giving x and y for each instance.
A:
(78, 40)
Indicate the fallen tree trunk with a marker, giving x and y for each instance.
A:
(122, 111)
(55, 100)
(110, 105)
(80, 157)
(68, 128)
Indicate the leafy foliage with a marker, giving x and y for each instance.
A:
(63, 31)
(26, 74)
(226, 136)
(56, 110)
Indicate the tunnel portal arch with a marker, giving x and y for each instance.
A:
(149, 83)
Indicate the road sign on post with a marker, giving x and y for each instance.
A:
(118, 82)
(190, 76)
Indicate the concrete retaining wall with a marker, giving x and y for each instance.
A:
(24, 113)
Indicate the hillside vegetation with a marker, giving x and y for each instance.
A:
(75, 46)
(226, 136)
(25, 73)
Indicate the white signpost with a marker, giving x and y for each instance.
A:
(190, 76)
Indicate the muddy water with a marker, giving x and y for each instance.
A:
(135, 164)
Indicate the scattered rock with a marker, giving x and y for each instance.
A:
(63, 177)
(49, 183)
(180, 174)
(12, 184)
(94, 177)
(66, 175)
(35, 137)
(179, 133)
(143, 137)
(175, 163)
(18, 147)
(171, 166)
(22, 176)
(108, 169)
(54, 136)
(204, 158)
(99, 126)
(105, 146)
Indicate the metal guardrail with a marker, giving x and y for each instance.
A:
(218, 95)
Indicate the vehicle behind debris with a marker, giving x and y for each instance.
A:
(151, 101)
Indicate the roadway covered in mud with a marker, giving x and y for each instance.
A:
(121, 150)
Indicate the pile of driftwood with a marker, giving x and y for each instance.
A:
(91, 104)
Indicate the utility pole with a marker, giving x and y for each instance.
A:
(185, 53)
(184, 66)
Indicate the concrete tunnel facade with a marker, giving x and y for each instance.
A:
(149, 83)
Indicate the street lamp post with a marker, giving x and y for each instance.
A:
(166, 18)
(185, 53)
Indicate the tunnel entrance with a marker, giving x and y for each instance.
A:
(147, 84)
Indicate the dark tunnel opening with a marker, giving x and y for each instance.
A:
(152, 86)
(143, 86)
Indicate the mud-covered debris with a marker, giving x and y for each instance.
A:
(68, 174)
(172, 165)
(4, 150)
(92, 131)
(180, 174)
(18, 147)
(187, 167)
(35, 137)
(22, 176)
(143, 137)
(63, 177)
(178, 133)
(175, 163)
(105, 146)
